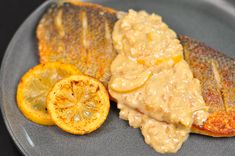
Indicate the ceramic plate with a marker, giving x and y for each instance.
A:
(210, 21)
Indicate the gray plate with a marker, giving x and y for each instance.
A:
(211, 21)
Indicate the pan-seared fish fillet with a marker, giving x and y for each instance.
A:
(217, 75)
(80, 34)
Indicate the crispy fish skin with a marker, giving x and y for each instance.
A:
(216, 73)
(80, 34)
(61, 37)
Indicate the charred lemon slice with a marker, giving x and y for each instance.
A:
(34, 87)
(78, 104)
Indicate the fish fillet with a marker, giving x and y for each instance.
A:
(216, 73)
(80, 33)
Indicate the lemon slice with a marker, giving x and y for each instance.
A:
(78, 104)
(129, 83)
(174, 59)
(34, 87)
(127, 79)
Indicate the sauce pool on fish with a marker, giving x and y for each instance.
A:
(152, 84)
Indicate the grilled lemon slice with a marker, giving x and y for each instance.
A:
(34, 87)
(78, 104)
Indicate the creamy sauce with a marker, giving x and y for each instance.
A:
(171, 95)
(163, 137)
(152, 84)
(147, 39)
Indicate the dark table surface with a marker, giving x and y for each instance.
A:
(12, 14)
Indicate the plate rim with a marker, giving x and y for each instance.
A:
(2, 70)
(6, 55)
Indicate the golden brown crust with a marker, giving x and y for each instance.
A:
(53, 42)
(80, 34)
(216, 73)
(91, 5)
(219, 124)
